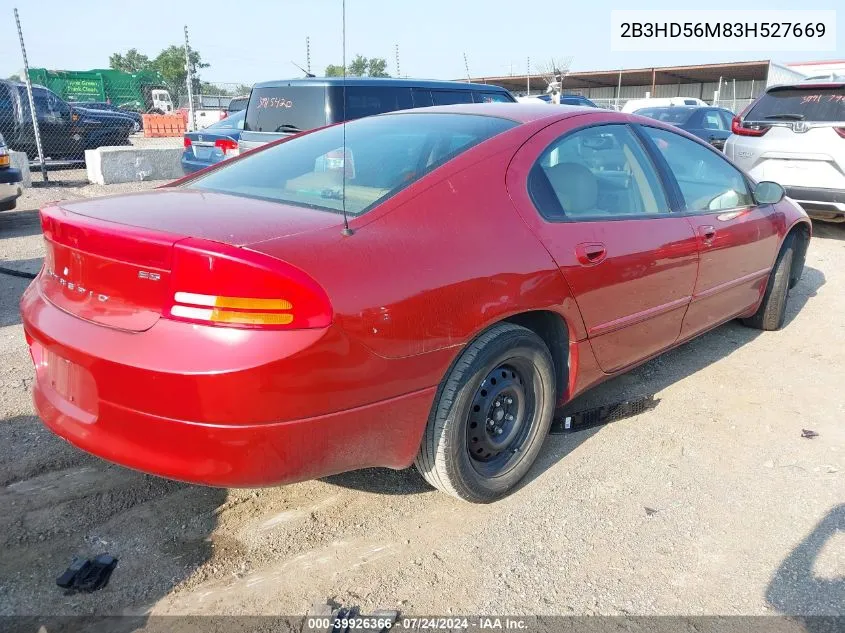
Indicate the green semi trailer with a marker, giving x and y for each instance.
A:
(142, 91)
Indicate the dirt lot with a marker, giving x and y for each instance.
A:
(750, 516)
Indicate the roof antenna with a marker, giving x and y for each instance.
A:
(346, 230)
(307, 74)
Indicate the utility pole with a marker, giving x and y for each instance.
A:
(528, 79)
(466, 65)
(190, 81)
(308, 54)
(35, 129)
(396, 52)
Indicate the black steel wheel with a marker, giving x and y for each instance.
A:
(490, 416)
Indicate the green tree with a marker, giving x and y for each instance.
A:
(334, 71)
(360, 67)
(131, 62)
(170, 63)
(377, 67)
(14, 77)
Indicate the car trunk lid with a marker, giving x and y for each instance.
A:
(109, 260)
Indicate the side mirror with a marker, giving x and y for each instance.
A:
(768, 192)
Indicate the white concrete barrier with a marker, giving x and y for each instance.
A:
(110, 165)
(21, 161)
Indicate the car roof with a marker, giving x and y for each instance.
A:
(520, 112)
(377, 81)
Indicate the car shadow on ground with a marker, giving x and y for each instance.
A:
(20, 223)
(797, 591)
(59, 502)
(828, 230)
(12, 287)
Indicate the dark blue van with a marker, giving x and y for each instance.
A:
(281, 108)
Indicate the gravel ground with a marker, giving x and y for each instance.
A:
(710, 503)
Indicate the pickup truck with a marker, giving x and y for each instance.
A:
(66, 131)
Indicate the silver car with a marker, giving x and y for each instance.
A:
(795, 135)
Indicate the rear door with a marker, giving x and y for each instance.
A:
(708, 124)
(803, 143)
(595, 200)
(737, 239)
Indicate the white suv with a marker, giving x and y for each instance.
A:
(795, 135)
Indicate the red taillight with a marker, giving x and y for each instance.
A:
(224, 285)
(187, 142)
(840, 131)
(740, 130)
(228, 145)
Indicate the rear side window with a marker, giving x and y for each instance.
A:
(382, 156)
(712, 120)
(286, 109)
(238, 104)
(492, 97)
(364, 101)
(676, 116)
(449, 97)
(800, 104)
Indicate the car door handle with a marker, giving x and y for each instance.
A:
(590, 253)
(707, 233)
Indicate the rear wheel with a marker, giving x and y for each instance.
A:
(772, 311)
(8, 205)
(490, 416)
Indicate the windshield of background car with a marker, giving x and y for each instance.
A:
(824, 105)
(286, 109)
(676, 116)
(231, 122)
(382, 156)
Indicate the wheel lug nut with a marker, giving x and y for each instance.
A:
(509, 418)
(497, 404)
(509, 400)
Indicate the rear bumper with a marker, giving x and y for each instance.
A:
(225, 408)
(825, 204)
(192, 166)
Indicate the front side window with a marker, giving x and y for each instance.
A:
(382, 156)
(707, 181)
(712, 121)
(596, 173)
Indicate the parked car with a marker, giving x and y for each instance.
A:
(10, 179)
(137, 117)
(795, 135)
(706, 122)
(237, 104)
(632, 105)
(281, 108)
(565, 99)
(418, 287)
(215, 143)
(66, 132)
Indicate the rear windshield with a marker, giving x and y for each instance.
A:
(286, 109)
(238, 103)
(383, 156)
(677, 116)
(800, 104)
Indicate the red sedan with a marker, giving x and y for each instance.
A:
(499, 260)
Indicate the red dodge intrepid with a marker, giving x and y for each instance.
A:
(499, 260)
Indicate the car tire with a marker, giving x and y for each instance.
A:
(490, 415)
(8, 205)
(772, 311)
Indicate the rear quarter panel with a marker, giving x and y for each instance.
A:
(435, 264)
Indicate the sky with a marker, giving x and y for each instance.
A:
(256, 40)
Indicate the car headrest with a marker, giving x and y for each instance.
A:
(575, 185)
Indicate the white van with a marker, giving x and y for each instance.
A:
(660, 102)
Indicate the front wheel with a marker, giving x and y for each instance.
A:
(772, 311)
(490, 416)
